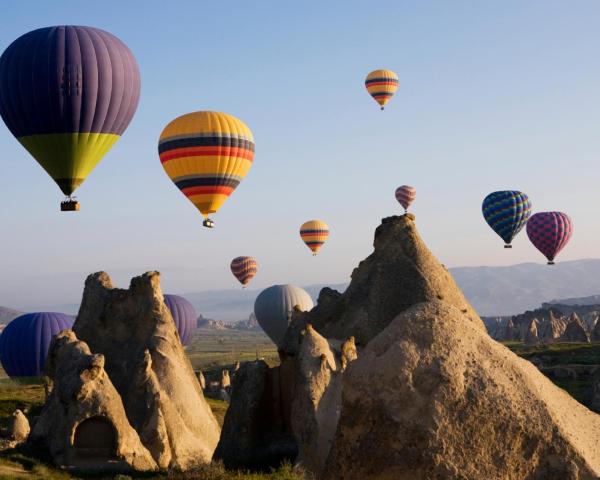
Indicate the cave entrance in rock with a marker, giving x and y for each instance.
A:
(95, 438)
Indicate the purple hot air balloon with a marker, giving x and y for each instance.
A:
(549, 232)
(184, 316)
(25, 341)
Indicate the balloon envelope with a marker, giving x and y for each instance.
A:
(273, 308)
(184, 316)
(406, 195)
(68, 93)
(549, 232)
(244, 269)
(381, 85)
(314, 233)
(206, 155)
(506, 212)
(25, 341)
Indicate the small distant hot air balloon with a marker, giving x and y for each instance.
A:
(405, 196)
(549, 232)
(25, 341)
(184, 316)
(314, 233)
(206, 155)
(274, 306)
(68, 93)
(382, 84)
(244, 269)
(507, 213)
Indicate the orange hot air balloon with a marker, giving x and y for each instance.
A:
(314, 233)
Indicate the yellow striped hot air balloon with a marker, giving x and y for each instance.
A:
(314, 233)
(206, 155)
(382, 84)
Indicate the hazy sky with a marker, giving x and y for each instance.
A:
(493, 95)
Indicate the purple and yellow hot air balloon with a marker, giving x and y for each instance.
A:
(549, 232)
(244, 269)
(314, 233)
(68, 93)
(206, 155)
(405, 196)
(382, 85)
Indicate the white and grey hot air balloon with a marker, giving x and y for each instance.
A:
(274, 306)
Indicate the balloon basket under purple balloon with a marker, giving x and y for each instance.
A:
(508, 245)
(550, 262)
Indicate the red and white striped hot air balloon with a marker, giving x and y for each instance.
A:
(244, 269)
(405, 196)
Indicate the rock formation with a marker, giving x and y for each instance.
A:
(511, 332)
(83, 423)
(596, 333)
(201, 380)
(137, 355)
(531, 335)
(225, 380)
(575, 331)
(256, 432)
(455, 404)
(18, 427)
(449, 401)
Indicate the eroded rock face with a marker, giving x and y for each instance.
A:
(18, 428)
(318, 394)
(146, 362)
(398, 274)
(83, 422)
(575, 331)
(453, 403)
(256, 432)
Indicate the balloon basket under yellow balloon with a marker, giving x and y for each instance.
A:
(208, 223)
(69, 206)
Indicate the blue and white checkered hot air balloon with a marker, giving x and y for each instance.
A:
(506, 212)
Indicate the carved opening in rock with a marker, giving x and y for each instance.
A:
(95, 438)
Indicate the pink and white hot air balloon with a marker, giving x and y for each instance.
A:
(549, 232)
(405, 196)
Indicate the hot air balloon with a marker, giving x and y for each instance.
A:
(25, 341)
(507, 213)
(184, 316)
(206, 155)
(274, 306)
(549, 232)
(382, 84)
(314, 233)
(405, 196)
(68, 93)
(244, 269)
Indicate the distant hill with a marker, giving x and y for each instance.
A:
(8, 314)
(589, 300)
(517, 288)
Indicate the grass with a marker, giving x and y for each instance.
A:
(211, 349)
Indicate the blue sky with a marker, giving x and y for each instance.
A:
(493, 95)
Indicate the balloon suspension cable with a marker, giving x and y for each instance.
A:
(508, 245)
